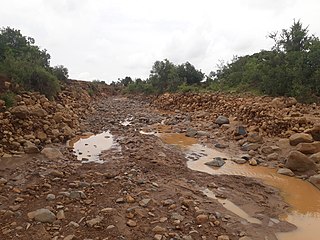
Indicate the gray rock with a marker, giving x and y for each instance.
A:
(222, 120)
(216, 162)
(240, 131)
(250, 146)
(77, 195)
(191, 132)
(42, 215)
(50, 197)
(239, 160)
(203, 134)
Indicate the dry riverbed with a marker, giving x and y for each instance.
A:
(140, 188)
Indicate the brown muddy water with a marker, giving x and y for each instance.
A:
(89, 147)
(302, 196)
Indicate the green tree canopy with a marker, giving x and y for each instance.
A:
(25, 63)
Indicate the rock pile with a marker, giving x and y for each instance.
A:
(273, 116)
(35, 121)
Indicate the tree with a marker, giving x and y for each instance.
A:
(60, 72)
(190, 74)
(125, 81)
(164, 76)
(26, 64)
(294, 39)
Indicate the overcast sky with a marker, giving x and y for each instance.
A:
(111, 39)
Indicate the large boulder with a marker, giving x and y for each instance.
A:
(309, 148)
(299, 162)
(297, 138)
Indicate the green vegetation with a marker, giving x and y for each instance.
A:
(26, 64)
(290, 68)
(165, 77)
(8, 98)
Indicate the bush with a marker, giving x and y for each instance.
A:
(8, 98)
(43, 82)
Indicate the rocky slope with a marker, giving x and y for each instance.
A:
(270, 116)
(35, 121)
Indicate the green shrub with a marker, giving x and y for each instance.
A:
(9, 99)
(43, 82)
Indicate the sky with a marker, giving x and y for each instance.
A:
(111, 39)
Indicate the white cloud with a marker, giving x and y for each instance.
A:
(110, 39)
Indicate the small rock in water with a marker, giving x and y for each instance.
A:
(216, 162)
(253, 162)
(239, 160)
(285, 171)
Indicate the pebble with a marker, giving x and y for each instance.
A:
(51, 197)
(69, 237)
(223, 237)
(158, 229)
(253, 162)
(60, 215)
(131, 223)
(94, 221)
(73, 224)
(144, 202)
(202, 218)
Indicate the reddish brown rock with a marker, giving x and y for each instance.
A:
(299, 162)
(309, 148)
(297, 138)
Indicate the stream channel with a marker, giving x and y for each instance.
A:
(302, 196)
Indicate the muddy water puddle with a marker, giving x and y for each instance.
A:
(89, 147)
(302, 196)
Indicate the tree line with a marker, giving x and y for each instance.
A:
(290, 68)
